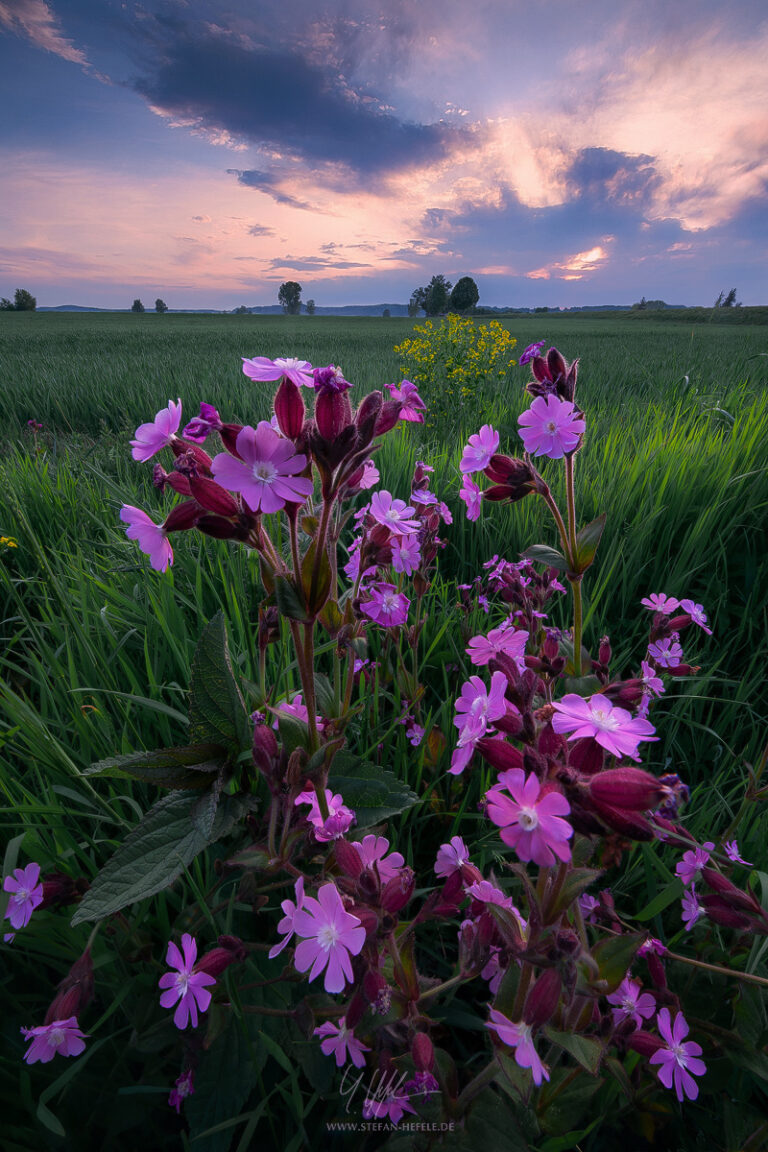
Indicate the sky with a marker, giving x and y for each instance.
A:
(560, 153)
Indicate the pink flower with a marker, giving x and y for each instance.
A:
(529, 822)
(613, 728)
(531, 351)
(150, 438)
(329, 936)
(488, 893)
(667, 653)
(697, 614)
(493, 971)
(451, 856)
(373, 850)
(370, 475)
(286, 924)
(392, 1107)
(690, 866)
(653, 683)
(151, 537)
(415, 733)
(692, 910)
(660, 602)
(630, 1004)
(338, 821)
(262, 368)
(26, 894)
(413, 405)
(60, 1037)
(518, 1036)
(477, 702)
(678, 1060)
(472, 731)
(266, 473)
(183, 1087)
(445, 513)
(588, 905)
(478, 452)
(652, 946)
(472, 496)
(731, 849)
(406, 554)
(185, 985)
(551, 427)
(200, 427)
(393, 514)
(386, 606)
(342, 1043)
(510, 641)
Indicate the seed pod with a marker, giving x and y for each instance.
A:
(289, 409)
(627, 789)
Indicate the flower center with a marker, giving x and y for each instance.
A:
(628, 1004)
(605, 721)
(264, 471)
(56, 1037)
(327, 936)
(528, 819)
(389, 602)
(551, 426)
(21, 894)
(182, 982)
(680, 1054)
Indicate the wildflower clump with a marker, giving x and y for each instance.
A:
(454, 361)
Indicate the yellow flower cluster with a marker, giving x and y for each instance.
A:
(453, 361)
(8, 541)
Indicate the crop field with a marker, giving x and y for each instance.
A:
(95, 647)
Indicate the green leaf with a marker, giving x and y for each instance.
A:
(587, 541)
(661, 901)
(331, 618)
(294, 733)
(576, 881)
(614, 956)
(373, 792)
(543, 554)
(217, 712)
(490, 1125)
(187, 766)
(560, 1107)
(585, 686)
(585, 1050)
(322, 583)
(154, 854)
(326, 701)
(289, 599)
(224, 1079)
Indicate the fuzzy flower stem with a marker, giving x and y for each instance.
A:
(485, 1076)
(457, 979)
(320, 542)
(522, 991)
(296, 557)
(274, 811)
(747, 977)
(551, 503)
(574, 581)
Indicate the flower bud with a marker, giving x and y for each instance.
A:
(388, 417)
(355, 1010)
(229, 434)
(543, 998)
(586, 756)
(556, 365)
(74, 992)
(720, 911)
(182, 448)
(333, 413)
(628, 823)
(289, 409)
(59, 889)
(511, 722)
(367, 415)
(182, 517)
(348, 858)
(213, 497)
(499, 754)
(604, 652)
(645, 1043)
(230, 950)
(732, 895)
(423, 1052)
(628, 789)
(218, 527)
(399, 890)
(265, 749)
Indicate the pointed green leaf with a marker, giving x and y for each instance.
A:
(543, 554)
(576, 881)
(316, 596)
(289, 599)
(661, 900)
(614, 956)
(373, 792)
(587, 541)
(217, 711)
(154, 854)
(585, 1049)
(188, 766)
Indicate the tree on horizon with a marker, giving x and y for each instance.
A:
(137, 306)
(289, 295)
(23, 301)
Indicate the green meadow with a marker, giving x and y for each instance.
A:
(95, 647)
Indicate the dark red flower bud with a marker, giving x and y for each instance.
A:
(645, 1043)
(265, 749)
(289, 409)
(58, 889)
(627, 789)
(182, 517)
(183, 448)
(348, 858)
(388, 417)
(213, 497)
(543, 998)
(733, 896)
(499, 754)
(219, 528)
(630, 824)
(586, 756)
(373, 985)
(625, 692)
(74, 992)
(333, 413)
(556, 364)
(540, 369)
(720, 911)
(355, 1010)
(367, 416)
(423, 1052)
(366, 916)
(511, 722)
(604, 652)
(230, 950)
(229, 434)
(399, 890)
(656, 970)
